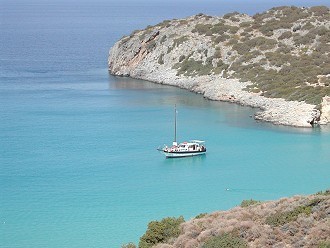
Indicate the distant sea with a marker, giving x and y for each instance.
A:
(78, 159)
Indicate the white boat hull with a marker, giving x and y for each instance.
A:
(184, 149)
(182, 154)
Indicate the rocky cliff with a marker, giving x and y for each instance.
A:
(277, 61)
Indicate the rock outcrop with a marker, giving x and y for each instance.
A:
(325, 109)
(264, 61)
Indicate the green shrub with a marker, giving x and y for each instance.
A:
(191, 67)
(218, 29)
(208, 33)
(234, 19)
(245, 24)
(255, 25)
(302, 40)
(248, 29)
(225, 240)
(163, 39)
(245, 34)
(220, 67)
(221, 38)
(261, 42)
(326, 192)
(322, 48)
(322, 31)
(324, 244)
(241, 48)
(183, 22)
(164, 23)
(179, 41)
(227, 16)
(307, 26)
(151, 45)
(161, 59)
(199, 15)
(201, 215)
(217, 54)
(293, 14)
(161, 231)
(233, 29)
(320, 10)
(169, 49)
(284, 50)
(202, 28)
(251, 55)
(231, 42)
(282, 218)
(271, 25)
(285, 35)
(269, 44)
(247, 203)
(325, 38)
(312, 33)
(267, 32)
(142, 36)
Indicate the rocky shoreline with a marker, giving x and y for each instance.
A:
(274, 110)
(158, 54)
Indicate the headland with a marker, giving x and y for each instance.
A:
(277, 61)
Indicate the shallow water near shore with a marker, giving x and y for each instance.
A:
(78, 159)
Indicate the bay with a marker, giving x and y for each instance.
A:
(78, 159)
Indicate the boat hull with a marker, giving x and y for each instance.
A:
(183, 154)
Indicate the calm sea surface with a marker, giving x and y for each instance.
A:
(78, 159)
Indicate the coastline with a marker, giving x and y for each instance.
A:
(274, 110)
(186, 53)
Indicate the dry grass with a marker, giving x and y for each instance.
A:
(310, 229)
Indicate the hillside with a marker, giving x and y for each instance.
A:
(277, 61)
(299, 221)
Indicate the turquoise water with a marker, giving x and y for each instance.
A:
(78, 159)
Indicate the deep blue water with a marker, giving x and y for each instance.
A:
(78, 164)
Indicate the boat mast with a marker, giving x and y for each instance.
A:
(174, 142)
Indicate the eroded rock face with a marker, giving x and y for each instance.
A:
(129, 52)
(325, 110)
(186, 53)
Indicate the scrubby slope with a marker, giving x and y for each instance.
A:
(299, 221)
(282, 53)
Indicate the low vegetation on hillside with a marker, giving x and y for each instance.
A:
(284, 52)
(299, 221)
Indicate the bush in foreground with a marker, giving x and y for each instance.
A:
(246, 203)
(324, 244)
(225, 240)
(282, 218)
(161, 231)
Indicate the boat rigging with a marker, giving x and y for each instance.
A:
(184, 149)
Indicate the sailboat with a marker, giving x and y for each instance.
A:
(184, 149)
